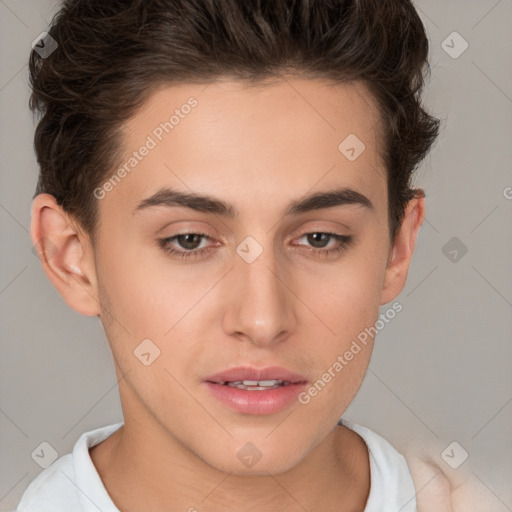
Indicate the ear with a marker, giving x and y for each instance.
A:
(66, 254)
(403, 249)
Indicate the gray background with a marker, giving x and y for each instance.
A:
(441, 370)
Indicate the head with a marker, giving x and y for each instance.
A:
(191, 156)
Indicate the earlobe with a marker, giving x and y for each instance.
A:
(402, 251)
(65, 253)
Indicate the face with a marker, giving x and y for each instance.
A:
(257, 276)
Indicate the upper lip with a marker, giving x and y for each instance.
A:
(256, 374)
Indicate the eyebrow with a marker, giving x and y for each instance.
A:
(208, 204)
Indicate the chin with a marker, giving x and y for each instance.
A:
(248, 460)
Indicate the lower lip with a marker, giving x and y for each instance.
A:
(256, 402)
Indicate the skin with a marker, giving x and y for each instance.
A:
(444, 489)
(257, 148)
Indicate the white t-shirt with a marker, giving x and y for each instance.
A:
(72, 483)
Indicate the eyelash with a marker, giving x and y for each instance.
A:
(344, 240)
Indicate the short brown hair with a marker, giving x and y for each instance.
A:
(111, 56)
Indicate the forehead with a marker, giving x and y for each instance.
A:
(272, 139)
(225, 105)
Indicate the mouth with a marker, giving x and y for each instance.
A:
(256, 391)
(253, 385)
(256, 377)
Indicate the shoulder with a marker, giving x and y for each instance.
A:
(391, 484)
(444, 489)
(52, 489)
(70, 481)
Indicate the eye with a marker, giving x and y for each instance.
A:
(322, 239)
(190, 243)
(187, 240)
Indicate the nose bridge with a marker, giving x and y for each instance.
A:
(261, 306)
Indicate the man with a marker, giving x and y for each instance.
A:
(227, 186)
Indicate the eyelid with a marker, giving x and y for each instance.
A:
(320, 223)
(315, 228)
(189, 230)
(182, 226)
(343, 241)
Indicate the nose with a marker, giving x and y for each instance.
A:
(260, 302)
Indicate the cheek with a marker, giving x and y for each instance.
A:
(140, 296)
(347, 296)
(348, 304)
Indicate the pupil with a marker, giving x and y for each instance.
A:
(313, 238)
(187, 242)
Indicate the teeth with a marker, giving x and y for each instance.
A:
(255, 385)
(250, 382)
(268, 382)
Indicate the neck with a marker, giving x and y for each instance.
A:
(163, 475)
